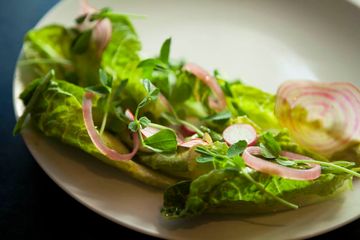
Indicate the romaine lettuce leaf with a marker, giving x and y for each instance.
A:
(228, 191)
(49, 48)
(256, 104)
(181, 164)
(58, 113)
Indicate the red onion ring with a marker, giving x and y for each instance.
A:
(218, 104)
(268, 167)
(96, 138)
(335, 105)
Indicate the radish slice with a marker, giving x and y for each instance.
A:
(265, 166)
(321, 117)
(193, 142)
(186, 131)
(237, 132)
(96, 138)
(149, 131)
(218, 104)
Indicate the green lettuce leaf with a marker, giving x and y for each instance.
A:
(181, 164)
(58, 113)
(257, 105)
(228, 191)
(48, 48)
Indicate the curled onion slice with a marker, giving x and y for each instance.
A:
(102, 29)
(218, 104)
(96, 138)
(193, 142)
(237, 132)
(321, 117)
(261, 165)
(102, 34)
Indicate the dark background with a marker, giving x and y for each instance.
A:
(31, 204)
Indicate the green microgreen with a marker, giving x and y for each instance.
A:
(164, 140)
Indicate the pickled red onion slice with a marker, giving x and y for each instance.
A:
(218, 104)
(102, 30)
(264, 166)
(96, 138)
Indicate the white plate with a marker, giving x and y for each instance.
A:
(263, 43)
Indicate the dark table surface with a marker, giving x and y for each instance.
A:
(31, 204)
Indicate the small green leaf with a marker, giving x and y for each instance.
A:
(344, 164)
(144, 122)
(203, 150)
(265, 152)
(239, 161)
(105, 78)
(333, 167)
(121, 87)
(226, 89)
(81, 42)
(238, 109)
(161, 81)
(181, 92)
(101, 102)
(270, 147)
(103, 13)
(285, 162)
(237, 148)
(32, 101)
(147, 85)
(204, 159)
(152, 63)
(81, 19)
(144, 102)
(214, 135)
(154, 94)
(119, 113)
(165, 51)
(221, 116)
(98, 89)
(164, 140)
(133, 126)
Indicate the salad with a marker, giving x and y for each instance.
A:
(212, 145)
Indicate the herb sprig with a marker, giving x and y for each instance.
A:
(162, 141)
(232, 158)
(106, 89)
